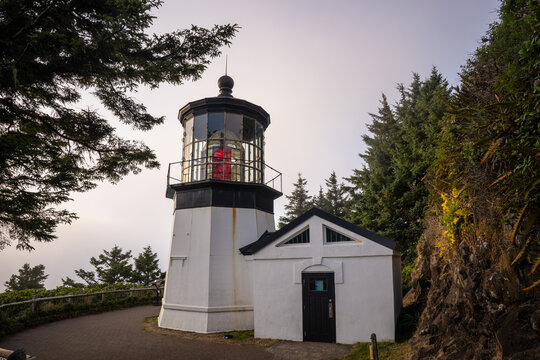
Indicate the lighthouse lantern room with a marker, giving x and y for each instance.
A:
(223, 201)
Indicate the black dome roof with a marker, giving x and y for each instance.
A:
(225, 84)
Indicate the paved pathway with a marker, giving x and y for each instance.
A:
(120, 335)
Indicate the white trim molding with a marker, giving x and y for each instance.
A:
(208, 309)
(335, 266)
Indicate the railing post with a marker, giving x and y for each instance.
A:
(103, 297)
(373, 350)
(157, 284)
(34, 305)
(168, 174)
(70, 299)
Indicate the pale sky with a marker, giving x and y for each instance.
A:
(317, 67)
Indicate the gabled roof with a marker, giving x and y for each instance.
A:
(268, 237)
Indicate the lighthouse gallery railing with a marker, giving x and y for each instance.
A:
(271, 178)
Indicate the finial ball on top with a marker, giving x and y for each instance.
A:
(225, 84)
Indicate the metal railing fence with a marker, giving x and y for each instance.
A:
(34, 304)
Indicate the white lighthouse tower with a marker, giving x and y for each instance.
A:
(223, 200)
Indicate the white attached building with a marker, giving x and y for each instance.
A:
(321, 278)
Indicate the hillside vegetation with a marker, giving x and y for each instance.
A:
(477, 268)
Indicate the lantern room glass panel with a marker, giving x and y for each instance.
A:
(198, 154)
(217, 156)
(236, 160)
(259, 131)
(199, 127)
(248, 162)
(216, 125)
(248, 130)
(187, 164)
(233, 126)
(199, 161)
(188, 131)
(188, 145)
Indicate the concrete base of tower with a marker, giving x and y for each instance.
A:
(206, 319)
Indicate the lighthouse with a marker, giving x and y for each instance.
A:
(223, 194)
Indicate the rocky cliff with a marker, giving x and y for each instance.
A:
(475, 303)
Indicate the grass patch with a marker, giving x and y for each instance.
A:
(240, 336)
(151, 320)
(387, 351)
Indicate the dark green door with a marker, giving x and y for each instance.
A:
(319, 308)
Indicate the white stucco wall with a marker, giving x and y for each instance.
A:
(365, 285)
(365, 301)
(277, 301)
(209, 285)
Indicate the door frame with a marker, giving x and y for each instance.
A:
(325, 311)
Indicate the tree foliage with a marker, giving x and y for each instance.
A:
(111, 267)
(334, 200)
(389, 195)
(114, 266)
(69, 282)
(335, 196)
(320, 201)
(53, 52)
(371, 186)
(299, 202)
(28, 278)
(147, 270)
(489, 156)
(89, 277)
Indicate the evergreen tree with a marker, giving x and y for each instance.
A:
(111, 267)
(147, 267)
(336, 198)
(320, 200)
(371, 187)
(28, 278)
(299, 202)
(52, 53)
(388, 195)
